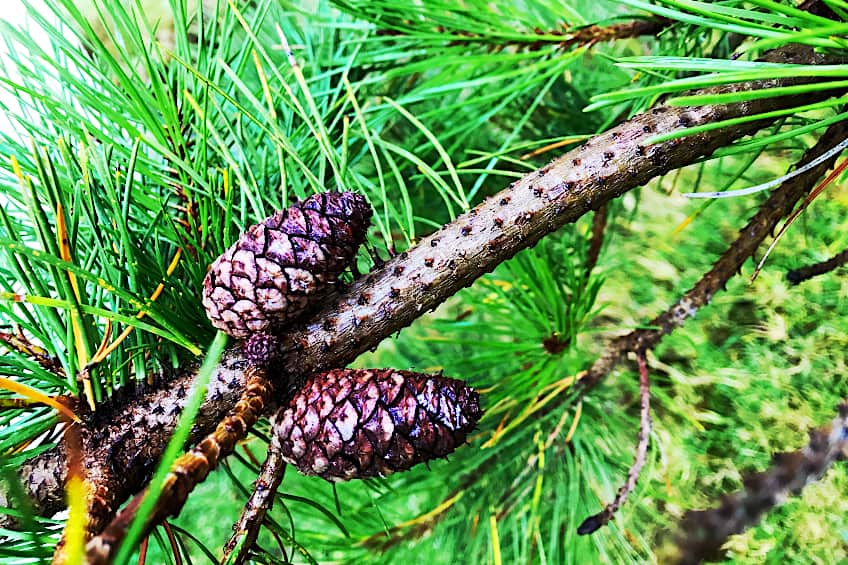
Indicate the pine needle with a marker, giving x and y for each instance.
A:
(797, 213)
(38, 397)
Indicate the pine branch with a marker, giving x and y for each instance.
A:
(590, 35)
(189, 470)
(123, 443)
(598, 34)
(564, 37)
(703, 532)
(19, 342)
(132, 438)
(779, 204)
(246, 530)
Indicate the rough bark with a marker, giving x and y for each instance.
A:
(246, 529)
(133, 437)
(126, 442)
(188, 470)
(602, 518)
(764, 222)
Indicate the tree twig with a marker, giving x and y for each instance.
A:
(132, 438)
(596, 242)
(246, 530)
(597, 521)
(703, 532)
(797, 276)
(562, 38)
(593, 34)
(19, 342)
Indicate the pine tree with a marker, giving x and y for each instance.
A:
(151, 136)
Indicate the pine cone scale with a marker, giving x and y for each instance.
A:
(279, 247)
(346, 419)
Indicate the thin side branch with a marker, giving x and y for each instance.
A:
(19, 342)
(703, 532)
(378, 305)
(779, 204)
(797, 276)
(246, 530)
(596, 242)
(598, 34)
(602, 518)
(564, 38)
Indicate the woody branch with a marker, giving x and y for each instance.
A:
(702, 532)
(779, 204)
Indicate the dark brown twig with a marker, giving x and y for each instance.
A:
(602, 518)
(593, 34)
(596, 242)
(142, 550)
(172, 540)
(383, 302)
(246, 530)
(703, 532)
(797, 276)
(19, 342)
(560, 38)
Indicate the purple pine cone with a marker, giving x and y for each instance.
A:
(349, 424)
(268, 277)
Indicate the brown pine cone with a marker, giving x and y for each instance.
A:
(356, 423)
(268, 277)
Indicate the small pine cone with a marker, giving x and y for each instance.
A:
(356, 423)
(261, 349)
(269, 276)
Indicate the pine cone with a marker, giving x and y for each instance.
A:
(269, 276)
(350, 424)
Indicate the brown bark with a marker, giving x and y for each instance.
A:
(602, 518)
(188, 470)
(563, 38)
(703, 532)
(797, 276)
(596, 242)
(598, 34)
(246, 529)
(124, 443)
(132, 438)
